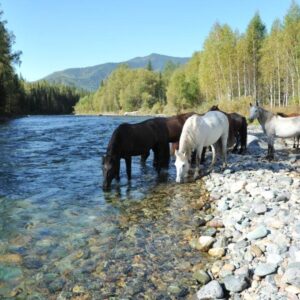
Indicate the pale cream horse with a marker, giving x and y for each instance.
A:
(274, 126)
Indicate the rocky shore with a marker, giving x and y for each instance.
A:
(255, 225)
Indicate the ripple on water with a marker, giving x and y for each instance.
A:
(65, 236)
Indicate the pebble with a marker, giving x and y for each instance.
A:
(216, 252)
(292, 276)
(265, 269)
(258, 203)
(205, 242)
(212, 290)
(201, 276)
(235, 283)
(257, 233)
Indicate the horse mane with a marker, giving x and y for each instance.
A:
(187, 139)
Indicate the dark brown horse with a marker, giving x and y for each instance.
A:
(237, 130)
(175, 124)
(133, 140)
(297, 138)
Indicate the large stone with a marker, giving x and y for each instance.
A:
(205, 242)
(212, 290)
(265, 269)
(237, 186)
(257, 233)
(260, 208)
(235, 283)
(201, 276)
(292, 276)
(268, 195)
(216, 252)
(285, 196)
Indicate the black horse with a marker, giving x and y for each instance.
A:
(133, 140)
(237, 130)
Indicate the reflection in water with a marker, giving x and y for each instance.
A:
(60, 234)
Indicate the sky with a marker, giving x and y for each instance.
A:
(55, 35)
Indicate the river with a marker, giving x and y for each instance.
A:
(61, 235)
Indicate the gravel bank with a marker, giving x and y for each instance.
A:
(256, 205)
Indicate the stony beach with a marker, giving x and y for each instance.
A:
(253, 225)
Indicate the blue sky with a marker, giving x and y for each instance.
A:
(59, 34)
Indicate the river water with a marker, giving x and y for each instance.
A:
(62, 236)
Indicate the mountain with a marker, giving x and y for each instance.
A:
(89, 78)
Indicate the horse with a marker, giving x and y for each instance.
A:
(199, 132)
(274, 126)
(296, 139)
(175, 124)
(237, 130)
(137, 139)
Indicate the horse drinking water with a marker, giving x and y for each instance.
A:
(274, 126)
(133, 140)
(198, 132)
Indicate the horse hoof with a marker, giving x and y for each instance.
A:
(269, 157)
(197, 176)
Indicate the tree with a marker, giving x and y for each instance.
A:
(10, 89)
(149, 65)
(255, 35)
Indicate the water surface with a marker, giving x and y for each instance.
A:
(62, 236)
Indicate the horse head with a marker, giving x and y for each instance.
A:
(182, 166)
(109, 169)
(254, 112)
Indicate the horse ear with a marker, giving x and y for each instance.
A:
(250, 104)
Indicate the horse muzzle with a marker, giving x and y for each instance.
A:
(106, 186)
(179, 180)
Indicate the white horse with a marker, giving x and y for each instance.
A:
(198, 132)
(274, 126)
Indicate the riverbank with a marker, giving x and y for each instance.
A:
(256, 206)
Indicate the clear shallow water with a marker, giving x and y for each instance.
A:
(60, 234)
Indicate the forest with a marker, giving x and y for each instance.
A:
(231, 68)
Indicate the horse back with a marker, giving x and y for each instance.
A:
(139, 138)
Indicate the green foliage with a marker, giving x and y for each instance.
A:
(183, 89)
(10, 89)
(126, 90)
(44, 98)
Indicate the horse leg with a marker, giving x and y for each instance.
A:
(202, 160)
(157, 158)
(144, 158)
(118, 170)
(243, 137)
(237, 143)
(270, 155)
(213, 160)
(198, 157)
(166, 155)
(128, 167)
(224, 149)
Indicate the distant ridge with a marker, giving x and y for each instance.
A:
(89, 78)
